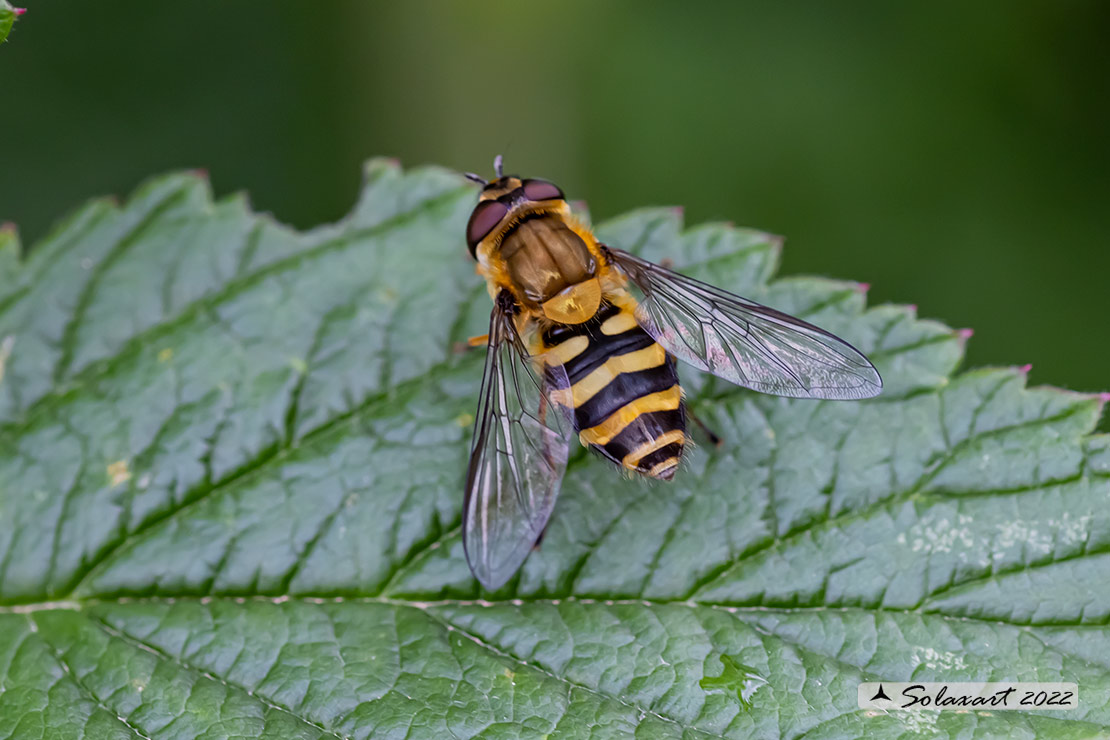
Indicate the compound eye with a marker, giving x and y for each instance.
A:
(483, 220)
(541, 190)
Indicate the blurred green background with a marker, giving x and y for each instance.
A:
(953, 154)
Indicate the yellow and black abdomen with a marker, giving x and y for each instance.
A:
(624, 390)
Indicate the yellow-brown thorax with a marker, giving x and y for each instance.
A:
(573, 312)
(526, 241)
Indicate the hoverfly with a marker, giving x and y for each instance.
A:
(570, 348)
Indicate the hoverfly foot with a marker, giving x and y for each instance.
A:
(714, 438)
(539, 540)
(461, 348)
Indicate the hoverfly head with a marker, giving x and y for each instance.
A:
(506, 201)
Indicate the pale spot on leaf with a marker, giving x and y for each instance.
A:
(119, 472)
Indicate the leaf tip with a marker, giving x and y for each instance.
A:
(1103, 397)
(1024, 369)
(19, 11)
(199, 172)
(776, 242)
(862, 288)
(376, 168)
(965, 334)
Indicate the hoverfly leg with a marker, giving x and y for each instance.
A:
(714, 438)
(539, 540)
(473, 343)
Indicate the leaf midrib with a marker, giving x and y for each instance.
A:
(428, 609)
(80, 604)
(261, 462)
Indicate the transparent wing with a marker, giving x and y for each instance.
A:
(517, 457)
(745, 342)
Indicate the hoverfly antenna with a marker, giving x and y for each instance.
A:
(498, 167)
(480, 180)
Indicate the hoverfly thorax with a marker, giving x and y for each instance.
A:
(522, 233)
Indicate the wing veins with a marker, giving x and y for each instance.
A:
(756, 345)
(517, 458)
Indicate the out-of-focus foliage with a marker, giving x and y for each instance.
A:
(950, 153)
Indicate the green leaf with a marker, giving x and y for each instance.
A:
(231, 467)
(8, 16)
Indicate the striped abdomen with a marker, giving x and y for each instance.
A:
(624, 390)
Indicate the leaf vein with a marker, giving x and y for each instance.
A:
(68, 340)
(451, 627)
(884, 502)
(81, 684)
(133, 641)
(135, 344)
